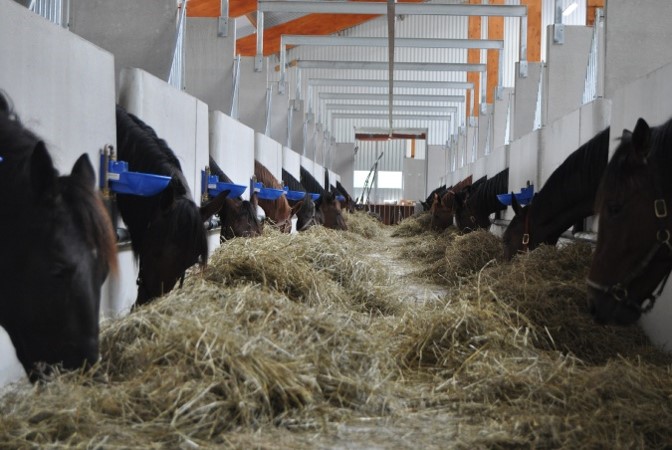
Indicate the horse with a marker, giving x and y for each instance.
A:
(238, 217)
(475, 203)
(436, 193)
(350, 203)
(58, 248)
(328, 208)
(304, 209)
(442, 208)
(568, 196)
(633, 251)
(278, 212)
(167, 231)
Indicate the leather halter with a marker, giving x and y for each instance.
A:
(526, 231)
(619, 291)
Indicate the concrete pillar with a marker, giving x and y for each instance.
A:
(209, 64)
(437, 166)
(525, 101)
(501, 112)
(638, 40)
(343, 163)
(139, 34)
(566, 75)
(252, 97)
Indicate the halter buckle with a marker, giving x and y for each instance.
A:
(660, 208)
(473, 219)
(663, 236)
(526, 238)
(647, 304)
(619, 292)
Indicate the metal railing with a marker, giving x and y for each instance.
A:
(55, 11)
(177, 69)
(537, 111)
(592, 70)
(236, 88)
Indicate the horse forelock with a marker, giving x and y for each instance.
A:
(186, 226)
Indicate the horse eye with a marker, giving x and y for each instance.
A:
(614, 208)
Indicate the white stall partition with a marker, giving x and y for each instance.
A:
(232, 148)
(318, 173)
(291, 162)
(62, 87)
(269, 153)
(523, 164)
(176, 117)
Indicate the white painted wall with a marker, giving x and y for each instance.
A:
(291, 162)
(269, 153)
(232, 147)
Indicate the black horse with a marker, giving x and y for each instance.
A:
(167, 231)
(475, 203)
(633, 255)
(435, 194)
(304, 209)
(58, 246)
(328, 211)
(568, 196)
(238, 217)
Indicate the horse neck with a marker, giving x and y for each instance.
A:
(486, 197)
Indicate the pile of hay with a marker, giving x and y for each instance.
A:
(364, 224)
(414, 225)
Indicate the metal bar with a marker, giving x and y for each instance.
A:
(385, 116)
(399, 108)
(236, 87)
(259, 58)
(269, 112)
(383, 83)
(223, 19)
(346, 7)
(382, 97)
(391, 17)
(370, 65)
(346, 41)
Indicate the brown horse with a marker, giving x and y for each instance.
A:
(278, 212)
(329, 212)
(443, 207)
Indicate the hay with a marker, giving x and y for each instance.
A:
(364, 224)
(413, 225)
(307, 341)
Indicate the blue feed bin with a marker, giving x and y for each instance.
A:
(523, 197)
(122, 181)
(215, 187)
(264, 193)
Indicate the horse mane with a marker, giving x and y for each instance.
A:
(342, 190)
(17, 144)
(139, 145)
(486, 192)
(216, 170)
(265, 176)
(310, 183)
(430, 198)
(292, 183)
(577, 178)
(281, 204)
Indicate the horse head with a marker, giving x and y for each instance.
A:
(633, 250)
(442, 211)
(59, 249)
(305, 213)
(239, 219)
(518, 237)
(330, 212)
(467, 217)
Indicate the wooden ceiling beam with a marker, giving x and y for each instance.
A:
(211, 8)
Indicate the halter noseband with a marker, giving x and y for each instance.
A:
(526, 231)
(619, 291)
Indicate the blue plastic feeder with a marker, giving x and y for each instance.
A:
(122, 181)
(264, 193)
(294, 196)
(523, 197)
(340, 198)
(215, 187)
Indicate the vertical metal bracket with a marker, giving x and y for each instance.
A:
(558, 33)
(223, 20)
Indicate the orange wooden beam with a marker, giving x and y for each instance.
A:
(533, 29)
(496, 32)
(590, 10)
(474, 57)
(211, 8)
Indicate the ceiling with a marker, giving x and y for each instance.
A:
(276, 24)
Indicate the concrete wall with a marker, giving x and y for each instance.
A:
(437, 166)
(638, 40)
(500, 113)
(318, 173)
(523, 163)
(269, 153)
(178, 118)
(252, 96)
(344, 164)
(525, 100)
(209, 63)
(291, 162)
(62, 87)
(139, 34)
(232, 147)
(415, 184)
(566, 74)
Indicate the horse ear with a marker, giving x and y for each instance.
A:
(83, 170)
(515, 205)
(42, 173)
(213, 206)
(641, 138)
(297, 207)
